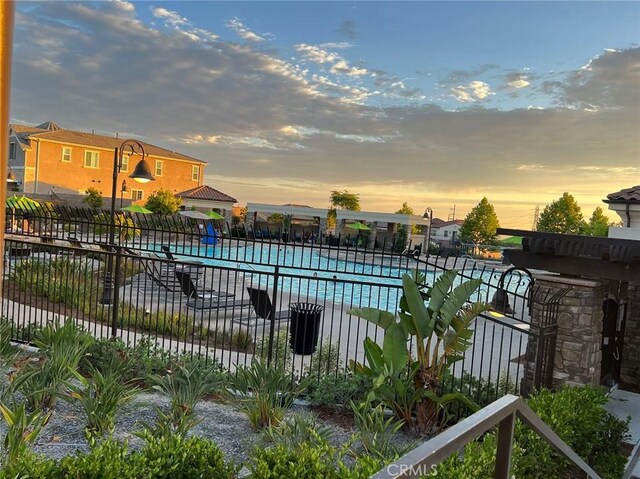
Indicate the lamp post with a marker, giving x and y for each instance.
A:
(428, 215)
(141, 174)
(123, 190)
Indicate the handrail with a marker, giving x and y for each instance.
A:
(423, 459)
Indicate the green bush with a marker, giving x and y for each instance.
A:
(336, 391)
(309, 461)
(577, 415)
(29, 465)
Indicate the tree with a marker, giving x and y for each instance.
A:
(342, 200)
(480, 225)
(598, 223)
(163, 202)
(408, 210)
(94, 199)
(562, 216)
(240, 218)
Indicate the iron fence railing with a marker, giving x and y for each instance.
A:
(55, 267)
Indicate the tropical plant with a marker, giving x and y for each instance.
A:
(480, 224)
(298, 429)
(23, 428)
(265, 392)
(167, 424)
(375, 431)
(101, 395)
(185, 385)
(42, 381)
(440, 332)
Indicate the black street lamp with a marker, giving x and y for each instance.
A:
(428, 215)
(141, 174)
(123, 190)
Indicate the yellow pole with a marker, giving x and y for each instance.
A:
(6, 47)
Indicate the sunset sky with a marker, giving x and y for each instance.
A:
(433, 103)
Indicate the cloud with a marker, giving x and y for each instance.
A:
(243, 32)
(343, 67)
(474, 91)
(316, 54)
(276, 130)
(517, 80)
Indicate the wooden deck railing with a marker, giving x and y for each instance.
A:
(501, 413)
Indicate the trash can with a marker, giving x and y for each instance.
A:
(305, 327)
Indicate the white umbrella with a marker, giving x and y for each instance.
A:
(196, 215)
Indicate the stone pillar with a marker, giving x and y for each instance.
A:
(578, 343)
(322, 228)
(228, 217)
(630, 365)
(372, 235)
(249, 221)
(340, 229)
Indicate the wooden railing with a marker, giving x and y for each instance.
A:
(501, 413)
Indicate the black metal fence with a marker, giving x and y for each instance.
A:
(173, 285)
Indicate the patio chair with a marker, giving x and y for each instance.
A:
(164, 279)
(261, 303)
(209, 299)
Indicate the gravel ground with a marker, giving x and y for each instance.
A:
(222, 423)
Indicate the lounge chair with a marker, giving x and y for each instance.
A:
(261, 303)
(190, 290)
(165, 279)
(209, 299)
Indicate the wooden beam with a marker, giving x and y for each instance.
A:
(574, 266)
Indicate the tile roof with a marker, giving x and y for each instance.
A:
(438, 223)
(90, 139)
(624, 196)
(205, 192)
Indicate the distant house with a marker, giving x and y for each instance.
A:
(626, 203)
(445, 232)
(46, 158)
(205, 198)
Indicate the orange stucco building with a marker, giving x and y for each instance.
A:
(46, 158)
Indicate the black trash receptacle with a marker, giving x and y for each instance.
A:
(305, 327)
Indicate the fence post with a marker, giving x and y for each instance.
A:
(116, 293)
(504, 446)
(272, 319)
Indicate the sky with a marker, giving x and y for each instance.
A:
(437, 104)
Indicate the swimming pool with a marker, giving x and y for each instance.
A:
(313, 273)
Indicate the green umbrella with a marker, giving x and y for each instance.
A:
(136, 209)
(21, 203)
(358, 226)
(512, 240)
(215, 216)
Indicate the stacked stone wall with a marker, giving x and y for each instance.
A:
(630, 366)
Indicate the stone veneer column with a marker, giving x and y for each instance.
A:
(322, 228)
(578, 356)
(249, 220)
(372, 235)
(630, 365)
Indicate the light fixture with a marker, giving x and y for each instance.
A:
(11, 177)
(500, 300)
(142, 173)
(123, 188)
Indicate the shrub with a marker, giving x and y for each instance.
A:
(375, 431)
(281, 354)
(23, 429)
(101, 395)
(264, 392)
(296, 430)
(29, 465)
(309, 461)
(577, 415)
(325, 361)
(338, 390)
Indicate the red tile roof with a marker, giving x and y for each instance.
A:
(90, 139)
(623, 196)
(205, 192)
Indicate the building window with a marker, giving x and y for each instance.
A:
(195, 173)
(125, 163)
(12, 151)
(159, 167)
(66, 154)
(91, 159)
(137, 195)
(446, 233)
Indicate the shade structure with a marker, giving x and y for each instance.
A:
(21, 203)
(215, 216)
(358, 226)
(136, 209)
(512, 240)
(196, 215)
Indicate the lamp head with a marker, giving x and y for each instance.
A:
(123, 188)
(500, 302)
(142, 173)
(11, 177)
